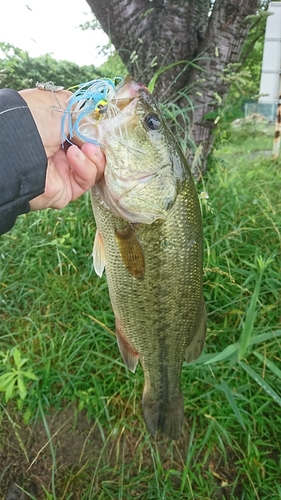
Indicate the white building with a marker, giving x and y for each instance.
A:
(270, 84)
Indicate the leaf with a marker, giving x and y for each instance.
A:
(262, 383)
(153, 80)
(21, 387)
(5, 380)
(204, 358)
(17, 357)
(27, 416)
(250, 320)
(272, 367)
(226, 353)
(229, 395)
(21, 363)
(29, 374)
(208, 358)
(263, 337)
(9, 390)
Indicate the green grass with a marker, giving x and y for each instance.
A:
(57, 313)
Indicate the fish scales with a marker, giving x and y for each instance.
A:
(152, 312)
(149, 238)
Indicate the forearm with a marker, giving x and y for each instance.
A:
(23, 160)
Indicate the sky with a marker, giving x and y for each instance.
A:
(51, 26)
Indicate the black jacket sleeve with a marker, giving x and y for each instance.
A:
(23, 161)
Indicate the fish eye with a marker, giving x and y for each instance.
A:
(152, 122)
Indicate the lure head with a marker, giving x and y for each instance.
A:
(100, 109)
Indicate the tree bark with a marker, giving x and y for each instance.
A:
(153, 34)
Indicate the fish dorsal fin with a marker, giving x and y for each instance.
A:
(196, 345)
(98, 254)
(131, 251)
(130, 357)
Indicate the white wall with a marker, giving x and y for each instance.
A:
(271, 65)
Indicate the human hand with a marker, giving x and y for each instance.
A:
(71, 172)
(47, 110)
(69, 175)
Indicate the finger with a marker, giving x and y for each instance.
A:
(96, 155)
(58, 187)
(86, 168)
(83, 172)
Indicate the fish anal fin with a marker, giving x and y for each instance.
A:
(194, 349)
(130, 357)
(98, 254)
(131, 251)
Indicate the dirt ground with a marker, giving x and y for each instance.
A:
(27, 456)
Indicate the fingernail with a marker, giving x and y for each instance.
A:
(79, 154)
(92, 149)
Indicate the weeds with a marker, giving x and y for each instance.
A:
(13, 378)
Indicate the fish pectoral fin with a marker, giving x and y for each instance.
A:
(131, 251)
(130, 357)
(194, 349)
(98, 254)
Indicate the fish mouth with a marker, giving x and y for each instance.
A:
(114, 122)
(128, 88)
(96, 100)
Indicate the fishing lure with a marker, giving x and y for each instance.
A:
(49, 86)
(100, 109)
(91, 100)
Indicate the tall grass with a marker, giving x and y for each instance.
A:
(57, 313)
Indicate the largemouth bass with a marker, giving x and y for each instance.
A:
(149, 239)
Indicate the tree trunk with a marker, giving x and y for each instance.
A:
(153, 34)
